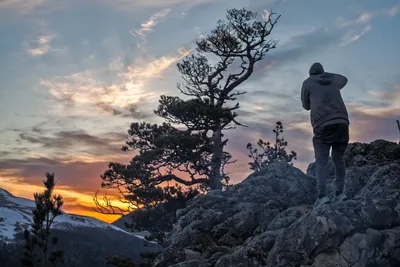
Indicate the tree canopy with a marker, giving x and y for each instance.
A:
(188, 148)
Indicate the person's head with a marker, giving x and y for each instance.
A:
(316, 69)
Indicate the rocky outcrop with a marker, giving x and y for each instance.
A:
(268, 220)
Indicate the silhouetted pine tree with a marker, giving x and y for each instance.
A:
(267, 153)
(188, 148)
(39, 248)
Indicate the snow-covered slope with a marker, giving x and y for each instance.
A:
(86, 240)
(16, 214)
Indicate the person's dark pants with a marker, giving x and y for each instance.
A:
(325, 137)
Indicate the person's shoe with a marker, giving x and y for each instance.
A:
(340, 197)
(322, 201)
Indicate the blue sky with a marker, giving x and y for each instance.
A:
(75, 74)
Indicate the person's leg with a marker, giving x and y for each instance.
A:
(338, 149)
(321, 151)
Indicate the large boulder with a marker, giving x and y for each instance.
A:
(268, 219)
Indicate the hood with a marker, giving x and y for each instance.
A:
(324, 78)
(316, 68)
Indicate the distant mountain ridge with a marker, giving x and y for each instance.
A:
(86, 240)
(15, 211)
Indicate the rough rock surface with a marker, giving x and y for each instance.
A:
(268, 220)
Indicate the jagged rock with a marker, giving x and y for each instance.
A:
(377, 152)
(361, 161)
(288, 217)
(267, 220)
(191, 263)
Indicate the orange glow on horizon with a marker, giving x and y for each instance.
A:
(74, 202)
(102, 217)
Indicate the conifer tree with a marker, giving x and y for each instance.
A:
(267, 153)
(39, 248)
(188, 148)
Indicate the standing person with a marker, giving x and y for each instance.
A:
(320, 93)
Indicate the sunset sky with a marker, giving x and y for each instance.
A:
(75, 74)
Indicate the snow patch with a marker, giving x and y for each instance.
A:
(68, 221)
(23, 202)
(10, 220)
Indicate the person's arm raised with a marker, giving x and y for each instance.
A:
(340, 80)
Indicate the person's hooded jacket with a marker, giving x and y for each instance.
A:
(320, 93)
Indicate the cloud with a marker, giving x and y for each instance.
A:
(26, 7)
(43, 41)
(366, 126)
(362, 19)
(367, 16)
(394, 10)
(85, 93)
(393, 96)
(42, 46)
(129, 5)
(376, 118)
(301, 45)
(32, 171)
(23, 6)
(61, 140)
(76, 181)
(81, 145)
(116, 64)
(391, 107)
(351, 37)
(149, 24)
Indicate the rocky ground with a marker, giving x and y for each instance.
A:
(267, 220)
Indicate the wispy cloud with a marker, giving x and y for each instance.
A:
(391, 97)
(149, 24)
(352, 37)
(88, 93)
(367, 16)
(24, 6)
(41, 46)
(394, 10)
(85, 147)
(361, 19)
(129, 5)
(376, 118)
(43, 40)
(27, 7)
